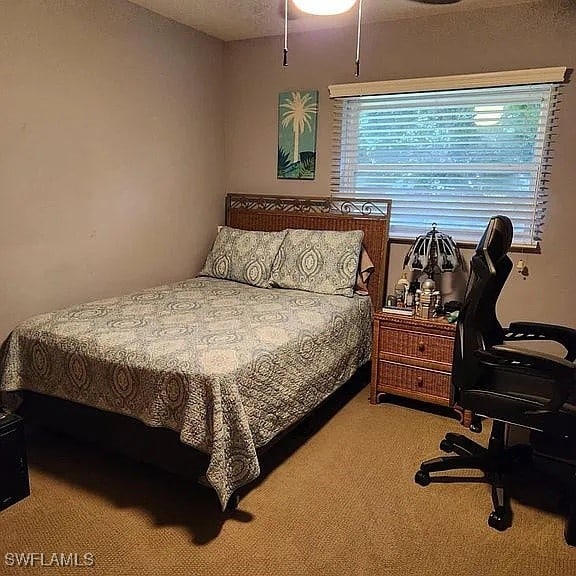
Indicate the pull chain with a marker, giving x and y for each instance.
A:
(285, 57)
(357, 73)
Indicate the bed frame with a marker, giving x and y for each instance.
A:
(162, 447)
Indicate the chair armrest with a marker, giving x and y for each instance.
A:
(530, 359)
(538, 331)
(559, 369)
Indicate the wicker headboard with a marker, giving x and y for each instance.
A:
(273, 213)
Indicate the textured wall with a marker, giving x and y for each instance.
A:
(529, 36)
(111, 151)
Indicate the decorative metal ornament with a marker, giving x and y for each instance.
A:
(311, 205)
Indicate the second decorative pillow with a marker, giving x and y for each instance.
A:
(322, 261)
(243, 256)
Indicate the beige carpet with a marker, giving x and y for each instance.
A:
(344, 503)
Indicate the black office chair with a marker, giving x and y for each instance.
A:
(507, 384)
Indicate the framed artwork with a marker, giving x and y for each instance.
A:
(297, 112)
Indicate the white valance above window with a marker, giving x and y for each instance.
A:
(456, 82)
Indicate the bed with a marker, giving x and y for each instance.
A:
(226, 367)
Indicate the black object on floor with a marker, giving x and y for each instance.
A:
(14, 482)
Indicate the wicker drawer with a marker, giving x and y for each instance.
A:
(419, 383)
(418, 345)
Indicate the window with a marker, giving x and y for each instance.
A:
(455, 157)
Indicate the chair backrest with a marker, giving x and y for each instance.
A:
(478, 326)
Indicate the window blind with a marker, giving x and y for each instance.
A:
(453, 157)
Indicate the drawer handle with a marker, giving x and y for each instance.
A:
(420, 381)
(421, 346)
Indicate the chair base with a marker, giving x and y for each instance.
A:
(496, 462)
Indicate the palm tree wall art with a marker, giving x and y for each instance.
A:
(297, 113)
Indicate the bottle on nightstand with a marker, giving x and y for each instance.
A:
(401, 290)
(411, 294)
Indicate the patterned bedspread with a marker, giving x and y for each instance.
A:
(226, 365)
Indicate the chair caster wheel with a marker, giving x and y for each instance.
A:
(446, 446)
(422, 478)
(498, 520)
(476, 425)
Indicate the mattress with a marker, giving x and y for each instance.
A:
(226, 365)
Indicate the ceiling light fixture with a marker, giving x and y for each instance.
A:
(324, 7)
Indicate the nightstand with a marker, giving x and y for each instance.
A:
(412, 357)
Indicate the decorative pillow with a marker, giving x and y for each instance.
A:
(365, 269)
(244, 256)
(320, 261)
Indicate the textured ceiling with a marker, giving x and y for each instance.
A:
(242, 19)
